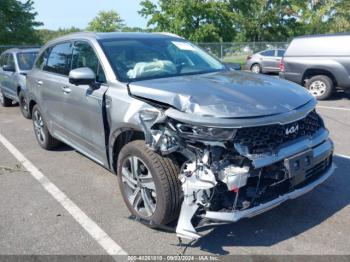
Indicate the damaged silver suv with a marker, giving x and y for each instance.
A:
(190, 140)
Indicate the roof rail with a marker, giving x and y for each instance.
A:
(168, 34)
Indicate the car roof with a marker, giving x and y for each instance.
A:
(22, 50)
(323, 35)
(113, 35)
(272, 49)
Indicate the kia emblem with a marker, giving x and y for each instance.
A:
(292, 129)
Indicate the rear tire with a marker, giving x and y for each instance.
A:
(320, 86)
(153, 192)
(256, 68)
(23, 104)
(41, 131)
(5, 102)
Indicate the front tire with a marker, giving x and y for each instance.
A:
(5, 102)
(41, 131)
(320, 86)
(23, 104)
(149, 183)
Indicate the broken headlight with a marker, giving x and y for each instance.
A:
(205, 133)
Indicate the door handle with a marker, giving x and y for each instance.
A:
(40, 83)
(66, 90)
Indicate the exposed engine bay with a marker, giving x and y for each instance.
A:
(231, 173)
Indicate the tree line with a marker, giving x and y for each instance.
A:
(243, 20)
(197, 20)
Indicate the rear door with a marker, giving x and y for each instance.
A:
(279, 55)
(8, 79)
(3, 76)
(83, 106)
(51, 82)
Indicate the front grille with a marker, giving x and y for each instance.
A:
(265, 139)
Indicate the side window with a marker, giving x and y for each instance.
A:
(85, 56)
(268, 53)
(59, 60)
(42, 59)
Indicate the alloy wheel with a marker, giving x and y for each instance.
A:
(39, 126)
(24, 104)
(139, 186)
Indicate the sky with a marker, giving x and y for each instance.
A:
(66, 13)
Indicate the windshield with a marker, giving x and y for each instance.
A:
(26, 60)
(140, 59)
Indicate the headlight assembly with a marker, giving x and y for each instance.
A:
(205, 133)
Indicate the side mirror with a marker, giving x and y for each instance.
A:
(233, 66)
(8, 68)
(82, 76)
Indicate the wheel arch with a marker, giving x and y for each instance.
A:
(32, 103)
(19, 88)
(255, 63)
(318, 71)
(118, 140)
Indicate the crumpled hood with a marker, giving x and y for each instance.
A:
(224, 94)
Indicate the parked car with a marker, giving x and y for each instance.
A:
(267, 61)
(14, 66)
(189, 139)
(320, 63)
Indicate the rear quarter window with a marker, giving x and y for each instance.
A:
(11, 60)
(3, 60)
(42, 59)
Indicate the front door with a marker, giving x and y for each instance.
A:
(8, 79)
(83, 106)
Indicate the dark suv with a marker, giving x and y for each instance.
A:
(320, 63)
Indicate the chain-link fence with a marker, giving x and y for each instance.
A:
(237, 52)
(5, 47)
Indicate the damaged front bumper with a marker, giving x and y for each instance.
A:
(251, 212)
(226, 177)
(320, 147)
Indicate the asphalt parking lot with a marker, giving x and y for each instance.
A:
(90, 218)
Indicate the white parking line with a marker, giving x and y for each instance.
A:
(343, 156)
(106, 242)
(334, 108)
